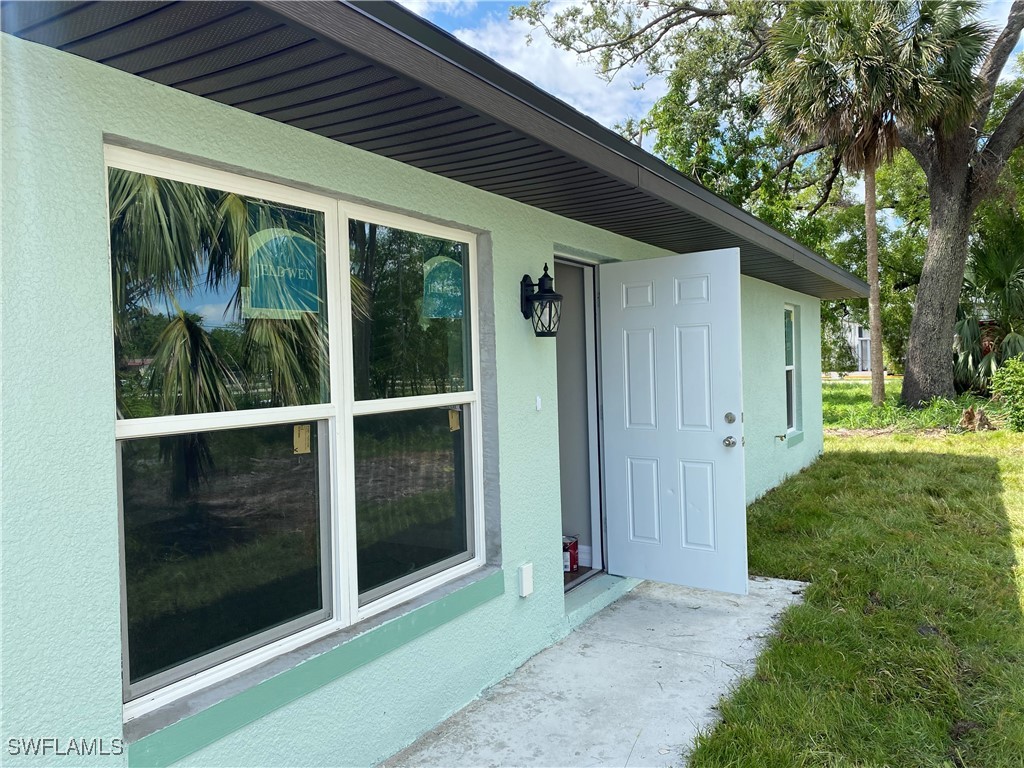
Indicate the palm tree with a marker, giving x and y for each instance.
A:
(848, 74)
(166, 241)
(990, 320)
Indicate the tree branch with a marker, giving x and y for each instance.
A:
(919, 148)
(788, 163)
(910, 282)
(912, 278)
(676, 16)
(992, 157)
(622, 41)
(800, 185)
(996, 61)
(755, 53)
(837, 165)
(634, 56)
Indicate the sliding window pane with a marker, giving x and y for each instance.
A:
(223, 540)
(790, 399)
(409, 311)
(411, 511)
(219, 299)
(789, 337)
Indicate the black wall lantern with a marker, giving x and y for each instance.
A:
(542, 305)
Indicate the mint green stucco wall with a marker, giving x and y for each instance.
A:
(61, 620)
(768, 459)
(61, 650)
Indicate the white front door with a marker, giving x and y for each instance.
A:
(673, 432)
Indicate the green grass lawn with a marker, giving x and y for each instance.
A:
(847, 405)
(909, 649)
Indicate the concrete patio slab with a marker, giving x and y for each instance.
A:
(631, 687)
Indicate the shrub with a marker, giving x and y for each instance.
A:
(979, 348)
(1008, 384)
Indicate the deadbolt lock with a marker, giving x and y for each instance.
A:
(730, 418)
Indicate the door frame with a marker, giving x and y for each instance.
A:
(594, 423)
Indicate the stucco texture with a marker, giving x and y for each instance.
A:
(768, 459)
(61, 655)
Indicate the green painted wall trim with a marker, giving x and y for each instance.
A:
(204, 728)
(793, 440)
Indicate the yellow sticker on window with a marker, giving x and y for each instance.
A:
(454, 420)
(300, 439)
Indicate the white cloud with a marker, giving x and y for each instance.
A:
(431, 9)
(562, 73)
(487, 28)
(856, 190)
(996, 12)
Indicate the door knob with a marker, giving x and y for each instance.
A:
(729, 442)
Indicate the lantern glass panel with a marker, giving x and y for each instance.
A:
(546, 315)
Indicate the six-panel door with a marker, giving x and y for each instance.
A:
(673, 432)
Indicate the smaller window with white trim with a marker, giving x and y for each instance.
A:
(792, 380)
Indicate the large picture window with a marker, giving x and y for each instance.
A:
(286, 468)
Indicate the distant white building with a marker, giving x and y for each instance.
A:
(859, 338)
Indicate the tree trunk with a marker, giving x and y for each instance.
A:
(874, 292)
(929, 366)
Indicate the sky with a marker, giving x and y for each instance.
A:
(484, 25)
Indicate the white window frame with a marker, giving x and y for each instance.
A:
(338, 414)
(469, 399)
(793, 369)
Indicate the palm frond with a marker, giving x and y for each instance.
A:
(847, 73)
(187, 374)
(160, 231)
(288, 357)
(1011, 346)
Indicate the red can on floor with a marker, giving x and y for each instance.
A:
(570, 554)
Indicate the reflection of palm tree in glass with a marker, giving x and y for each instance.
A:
(172, 242)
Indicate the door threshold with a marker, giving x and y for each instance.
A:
(582, 576)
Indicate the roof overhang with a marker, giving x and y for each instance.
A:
(375, 76)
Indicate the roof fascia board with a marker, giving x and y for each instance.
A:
(362, 32)
(758, 235)
(433, 58)
(708, 205)
(444, 64)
